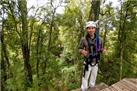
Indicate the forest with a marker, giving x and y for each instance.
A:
(39, 44)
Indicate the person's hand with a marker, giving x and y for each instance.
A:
(84, 53)
(105, 51)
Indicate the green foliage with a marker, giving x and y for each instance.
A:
(16, 82)
(53, 46)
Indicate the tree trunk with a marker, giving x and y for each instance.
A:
(49, 37)
(24, 42)
(104, 37)
(122, 37)
(4, 57)
(38, 52)
(3, 63)
(94, 10)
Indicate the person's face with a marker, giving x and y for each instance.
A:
(91, 30)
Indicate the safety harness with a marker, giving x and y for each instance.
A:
(94, 55)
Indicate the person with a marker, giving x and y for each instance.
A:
(88, 49)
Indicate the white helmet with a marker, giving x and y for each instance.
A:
(90, 24)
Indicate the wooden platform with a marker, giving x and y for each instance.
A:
(129, 84)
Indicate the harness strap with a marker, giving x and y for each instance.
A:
(92, 55)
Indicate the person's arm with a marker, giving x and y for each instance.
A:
(82, 50)
(102, 49)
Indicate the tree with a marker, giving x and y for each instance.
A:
(94, 10)
(24, 41)
(126, 13)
